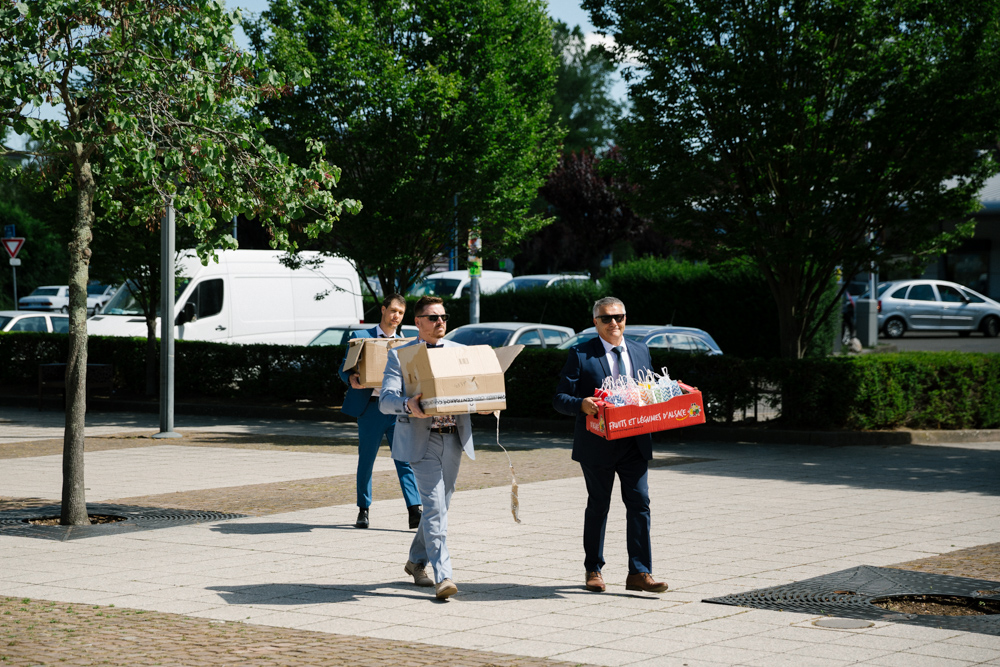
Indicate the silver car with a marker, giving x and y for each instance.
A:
(501, 334)
(934, 305)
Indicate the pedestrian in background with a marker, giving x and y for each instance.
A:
(362, 403)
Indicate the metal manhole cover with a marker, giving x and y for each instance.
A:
(849, 594)
(14, 522)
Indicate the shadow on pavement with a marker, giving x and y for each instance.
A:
(276, 528)
(919, 469)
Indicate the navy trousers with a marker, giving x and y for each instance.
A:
(632, 470)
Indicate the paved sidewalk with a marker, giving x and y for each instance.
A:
(726, 518)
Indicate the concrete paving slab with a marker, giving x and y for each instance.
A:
(754, 517)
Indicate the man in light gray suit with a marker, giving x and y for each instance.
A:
(433, 447)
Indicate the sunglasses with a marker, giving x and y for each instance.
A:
(435, 317)
(606, 319)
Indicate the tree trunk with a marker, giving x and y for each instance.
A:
(74, 502)
(790, 325)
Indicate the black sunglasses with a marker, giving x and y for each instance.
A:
(435, 317)
(607, 318)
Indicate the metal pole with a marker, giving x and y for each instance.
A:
(474, 300)
(167, 325)
(14, 269)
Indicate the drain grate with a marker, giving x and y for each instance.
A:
(15, 522)
(849, 594)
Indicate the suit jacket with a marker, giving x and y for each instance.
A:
(356, 400)
(585, 370)
(410, 441)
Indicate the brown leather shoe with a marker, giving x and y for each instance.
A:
(643, 581)
(595, 582)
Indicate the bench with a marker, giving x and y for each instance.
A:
(53, 377)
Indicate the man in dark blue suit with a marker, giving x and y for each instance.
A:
(373, 425)
(609, 355)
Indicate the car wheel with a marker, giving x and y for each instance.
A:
(64, 310)
(991, 327)
(895, 328)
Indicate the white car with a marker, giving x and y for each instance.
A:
(26, 320)
(455, 284)
(50, 297)
(97, 297)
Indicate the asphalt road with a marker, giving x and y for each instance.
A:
(938, 342)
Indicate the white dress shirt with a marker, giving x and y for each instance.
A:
(613, 358)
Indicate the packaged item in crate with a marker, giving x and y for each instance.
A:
(613, 421)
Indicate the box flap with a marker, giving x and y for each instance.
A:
(506, 355)
(353, 353)
(463, 361)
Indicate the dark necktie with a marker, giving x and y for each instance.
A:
(438, 345)
(619, 368)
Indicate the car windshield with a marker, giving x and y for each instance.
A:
(480, 336)
(124, 301)
(436, 287)
(4, 320)
(331, 337)
(96, 290)
(45, 291)
(882, 287)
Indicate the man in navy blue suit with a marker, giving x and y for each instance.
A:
(373, 425)
(609, 355)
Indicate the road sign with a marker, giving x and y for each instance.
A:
(14, 262)
(12, 245)
(8, 231)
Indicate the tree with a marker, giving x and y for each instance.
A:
(809, 135)
(438, 110)
(150, 92)
(582, 101)
(592, 214)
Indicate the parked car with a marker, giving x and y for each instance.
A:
(681, 339)
(456, 283)
(339, 335)
(934, 305)
(536, 280)
(502, 334)
(26, 320)
(98, 296)
(50, 297)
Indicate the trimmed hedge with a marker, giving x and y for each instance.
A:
(946, 390)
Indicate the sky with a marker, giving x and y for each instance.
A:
(568, 11)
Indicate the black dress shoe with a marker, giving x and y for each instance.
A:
(362, 521)
(415, 513)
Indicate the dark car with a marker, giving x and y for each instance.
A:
(681, 339)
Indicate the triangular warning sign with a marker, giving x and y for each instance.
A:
(12, 245)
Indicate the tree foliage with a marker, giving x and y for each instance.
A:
(425, 103)
(809, 135)
(152, 97)
(582, 101)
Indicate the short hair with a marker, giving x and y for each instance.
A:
(393, 298)
(425, 302)
(607, 301)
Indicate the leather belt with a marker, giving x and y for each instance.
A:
(444, 429)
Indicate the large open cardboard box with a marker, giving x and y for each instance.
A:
(614, 423)
(368, 356)
(457, 380)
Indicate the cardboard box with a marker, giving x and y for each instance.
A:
(457, 380)
(368, 356)
(614, 423)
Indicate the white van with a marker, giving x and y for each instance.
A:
(247, 297)
(457, 283)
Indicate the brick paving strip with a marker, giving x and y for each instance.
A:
(36, 632)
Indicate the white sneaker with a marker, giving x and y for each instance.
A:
(446, 588)
(419, 574)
